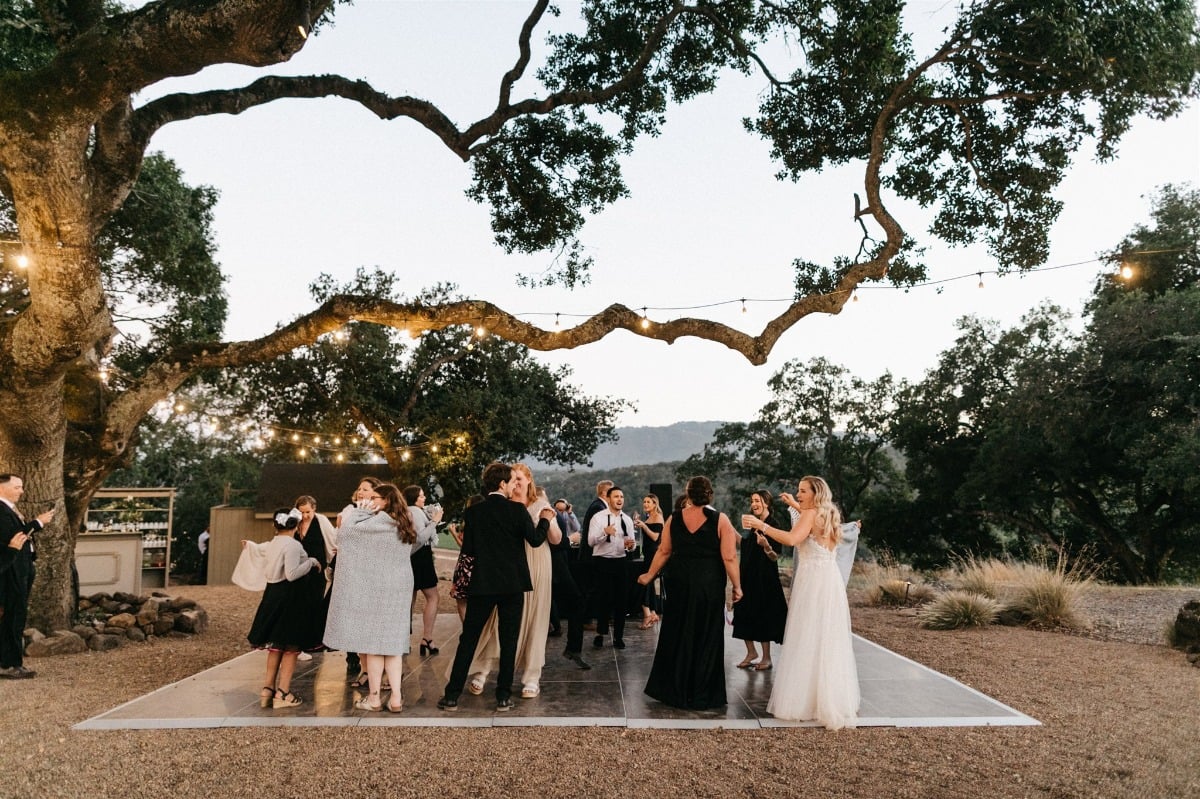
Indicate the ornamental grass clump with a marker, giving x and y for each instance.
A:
(987, 577)
(953, 610)
(1046, 596)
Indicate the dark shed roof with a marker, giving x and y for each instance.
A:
(331, 484)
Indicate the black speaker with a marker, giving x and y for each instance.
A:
(663, 492)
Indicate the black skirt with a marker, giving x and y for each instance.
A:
(285, 619)
(424, 573)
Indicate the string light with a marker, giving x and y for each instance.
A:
(1126, 272)
(21, 260)
(854, 296)
(557, 323)
(980, 279)
(645, 321)
(302, 452)
(104, 374)
(480, 331)
(743, 305)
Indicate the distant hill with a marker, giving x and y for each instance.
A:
(641, 445)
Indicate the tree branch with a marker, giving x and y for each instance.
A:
(514, 74)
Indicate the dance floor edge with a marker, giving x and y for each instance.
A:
(896, 692)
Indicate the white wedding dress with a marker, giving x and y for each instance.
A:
(815, 674)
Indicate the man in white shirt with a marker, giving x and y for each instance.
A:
(611, 535)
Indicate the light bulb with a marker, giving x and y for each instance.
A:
(980, 279)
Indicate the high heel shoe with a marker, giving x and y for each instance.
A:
(265, 696)
(427, 647)
(285, 699)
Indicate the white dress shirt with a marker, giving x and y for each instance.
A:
(610, 546)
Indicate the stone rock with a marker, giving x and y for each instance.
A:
(61, 642)
(32, 634)
(84, 631)
(123, 621)
(86, 604)
(148, 629)
(1187, 625)
(100, 598)
(192, 621)
(103, 643)
(147, 615)
(164, 624)
(111, 606)
(135, 634)
(160, 594)
(182, 604)
(131, 599)
(157, 604)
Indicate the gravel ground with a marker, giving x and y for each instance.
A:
(1119, 709)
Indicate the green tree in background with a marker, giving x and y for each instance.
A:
(443, 405)
(820, 420)
(1041, 436)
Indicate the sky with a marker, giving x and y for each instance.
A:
(313, 186)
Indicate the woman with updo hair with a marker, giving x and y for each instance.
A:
(283, 624)
(701, 544)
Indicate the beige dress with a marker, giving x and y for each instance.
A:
(535, 617)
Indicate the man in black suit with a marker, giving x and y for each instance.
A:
(494, 534)
(16, 575)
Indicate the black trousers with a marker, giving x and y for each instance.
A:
(508, 609)
(14, 597)
(570, 601)
(612, 592)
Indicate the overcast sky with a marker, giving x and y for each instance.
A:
(324, 186)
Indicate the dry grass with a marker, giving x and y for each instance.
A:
(953, 610)
(888, 583)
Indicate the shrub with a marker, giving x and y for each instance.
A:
(986, 577)
(952, 610)
(1050, 597)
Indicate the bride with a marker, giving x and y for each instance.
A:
(815, 674)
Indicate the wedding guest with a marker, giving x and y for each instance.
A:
(284, 623)
(366, 487)
(494, 532)
(320, 545)
(611, 536)
(425, 577)
(817, 676)
(565, 591)
(371, 609)
(17, 557)
(762, 613)
(689, 662)
(463, 566)
(651, 529)
(535, 614)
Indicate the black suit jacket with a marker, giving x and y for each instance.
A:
(15, 564)
(495, 531)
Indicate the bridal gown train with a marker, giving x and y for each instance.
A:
(815, 673)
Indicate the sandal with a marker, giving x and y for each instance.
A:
(359, 681)
(530, 690)
(265, 696)
(763, 667)
(395, 708)
(365, 704)
(475, 686)
(285, 699)
(646, 624)
(748, 663)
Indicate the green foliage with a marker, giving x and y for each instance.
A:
(1162, 258)
(820, 420)
(25, 43)
(157, 253)
(410, 394)
(953, 610)
(173, 453)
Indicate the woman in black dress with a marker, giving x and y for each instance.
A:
(689, 663)
(651, 529)
(425, 577)
(762, 614)
(315, 533)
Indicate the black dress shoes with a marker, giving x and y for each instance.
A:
(445, 703)
(598, 642)
(504, 705)
(17, 673)
(577, 659)
(618, 643)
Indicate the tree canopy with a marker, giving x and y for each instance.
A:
(983, 127)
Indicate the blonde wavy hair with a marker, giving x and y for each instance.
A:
(829, 519)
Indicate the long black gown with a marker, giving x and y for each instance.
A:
(761, 615)
(689, 662)
(310, 594)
